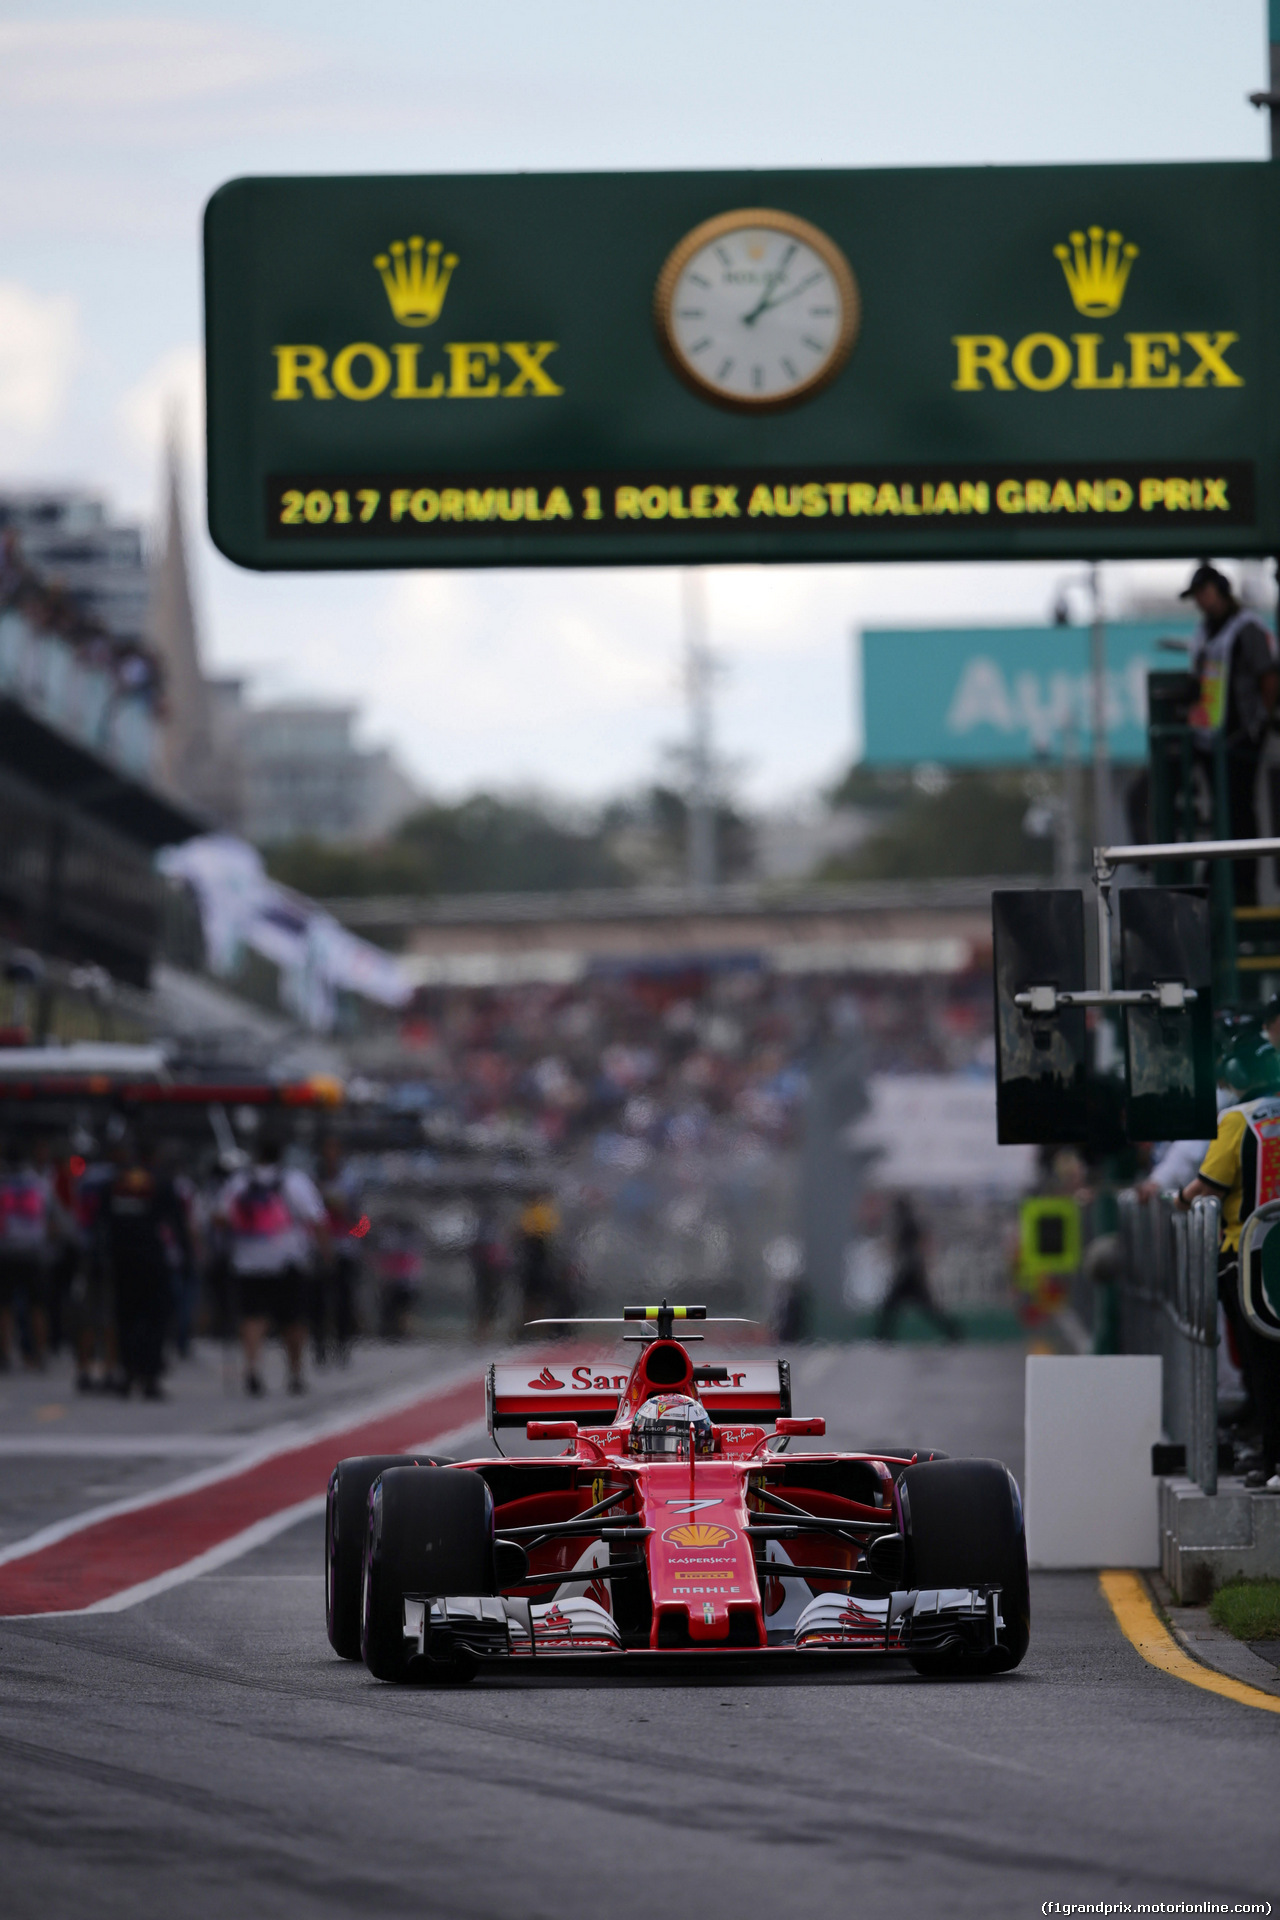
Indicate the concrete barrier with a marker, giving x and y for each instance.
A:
(1208, 1539)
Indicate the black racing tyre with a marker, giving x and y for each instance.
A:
(429, 1531)
(963, 1527)
(345, 1511)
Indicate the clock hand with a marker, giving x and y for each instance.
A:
(764, 302)
(767, 305)
(770, 282)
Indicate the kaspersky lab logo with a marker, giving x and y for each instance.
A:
(1096, 266)
(416, 278)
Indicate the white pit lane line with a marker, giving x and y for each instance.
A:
(236, 1546)
(255, 1448)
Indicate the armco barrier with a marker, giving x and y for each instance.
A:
(1169, 1306)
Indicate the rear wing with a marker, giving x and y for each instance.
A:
(590, 1391)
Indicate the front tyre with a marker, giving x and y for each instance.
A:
(428, 1533)
(345, 1511)
(963, 1527)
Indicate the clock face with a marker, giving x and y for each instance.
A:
(757, 309)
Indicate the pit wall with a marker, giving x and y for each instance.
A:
(1208, 1539)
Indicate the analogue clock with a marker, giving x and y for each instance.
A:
(757, 309)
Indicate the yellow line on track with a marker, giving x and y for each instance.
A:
(1142, 1626)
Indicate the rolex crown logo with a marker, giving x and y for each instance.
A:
(416, 286)
(1097, 270)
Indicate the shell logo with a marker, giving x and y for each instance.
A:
(700, 1533)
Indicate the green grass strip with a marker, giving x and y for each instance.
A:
(1250, 1609)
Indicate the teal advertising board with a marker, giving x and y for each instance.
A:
(605, 369)
(1005, 696)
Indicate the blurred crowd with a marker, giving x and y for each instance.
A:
(120, 1255)
(52, 610)
(571, 1141)
(121, 1252)
(639, 1063)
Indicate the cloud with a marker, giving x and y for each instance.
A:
(168, 400)
(533, 651)
(124, 65)
(39, 347)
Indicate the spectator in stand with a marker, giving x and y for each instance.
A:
(50, 608)
(142, 1219)
(275, 1222)
(12, 571)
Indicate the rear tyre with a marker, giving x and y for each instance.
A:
(345, 1511)
(963, 1527)
(428, 1531)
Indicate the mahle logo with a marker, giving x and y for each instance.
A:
(416, 278)
(1096, 267)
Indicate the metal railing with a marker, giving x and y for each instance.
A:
(1169, 1306)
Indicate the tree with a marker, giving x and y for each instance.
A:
(972, 823)
(484, 844)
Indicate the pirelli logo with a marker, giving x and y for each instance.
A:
(534, 507)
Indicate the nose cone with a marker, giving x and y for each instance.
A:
(701, 1564)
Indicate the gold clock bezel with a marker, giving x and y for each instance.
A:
(803, 230)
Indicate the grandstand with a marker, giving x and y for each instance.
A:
(892, 928)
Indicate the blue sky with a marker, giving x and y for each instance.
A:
(117, 122)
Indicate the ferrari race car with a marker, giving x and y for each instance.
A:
(674, 1522)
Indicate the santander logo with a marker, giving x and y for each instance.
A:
(546, 1382)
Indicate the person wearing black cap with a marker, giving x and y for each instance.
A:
(1270, 1020)
(1235, 660)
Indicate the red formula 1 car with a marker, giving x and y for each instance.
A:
(674, 1522)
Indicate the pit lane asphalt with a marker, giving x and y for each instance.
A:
(205, 1754)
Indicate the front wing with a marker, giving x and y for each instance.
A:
(910, 1621)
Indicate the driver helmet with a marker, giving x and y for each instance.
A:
(674, 1424)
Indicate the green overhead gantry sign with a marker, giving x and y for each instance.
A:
(605, 369)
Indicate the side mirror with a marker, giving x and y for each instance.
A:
(887, 1558)
(510, 1564)
(815, 1424)
(552, 1430)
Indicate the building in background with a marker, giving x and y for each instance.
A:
(305, 778)
(271, 773)
(200, 759)
(66, 536)
(117, 754)
(81, 697)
